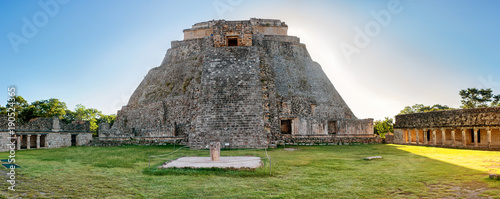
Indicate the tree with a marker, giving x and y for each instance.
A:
(29, 113)
(69, 117)
(86, 114)
(18, 106)
(43, 108)
(419, 108)
(3, 110)
(440, 107)
(106, 119)
(477, 98)
(53, 107)
(381, 127)
(496, 100)
(412, 109)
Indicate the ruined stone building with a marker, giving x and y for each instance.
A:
(44, 133)
(244, 83)
(462, 128)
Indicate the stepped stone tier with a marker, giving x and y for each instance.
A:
(245, 84)
(463, 128)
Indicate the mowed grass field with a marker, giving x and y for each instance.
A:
(306, 172)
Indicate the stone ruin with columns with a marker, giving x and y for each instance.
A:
(245, 84)
(477, 128)
(43, 132)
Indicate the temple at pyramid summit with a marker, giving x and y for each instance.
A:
(245, 84)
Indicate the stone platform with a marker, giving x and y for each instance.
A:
(229, 162)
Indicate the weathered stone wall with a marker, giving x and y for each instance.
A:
(4, 141)
(240, 30)
(75, 126)
(83, 139)
(116, 142)
(355, 126)
(451, 118)
(330, 140)
(230, 105)
(43, 124)
(463, 128)
(56, 133)
(197, 33)
(389, 139)
(398, 136)
(221, 30)
(58, 140)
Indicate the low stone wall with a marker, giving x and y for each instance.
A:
(389, 139)
(83, 139)
(330, 140)
(100, 142)
(355, 126)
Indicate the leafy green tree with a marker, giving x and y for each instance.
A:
(42, 108)
(69, 117)
(477, 98)
(419, 108)
(106, 118)
(92, 115)
(29, 113)
(3, 110)
(440, 107)
(19, 105)
(381, 127)
(55, 107)
(496, 100)
(49, 108)
(86, 114)
(412, 109)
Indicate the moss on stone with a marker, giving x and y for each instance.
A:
(187, 81)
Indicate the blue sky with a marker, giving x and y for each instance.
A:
(96, 53)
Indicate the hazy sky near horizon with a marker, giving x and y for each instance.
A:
(96, 53)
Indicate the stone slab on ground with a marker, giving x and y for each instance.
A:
(373, 157)
(228, 162)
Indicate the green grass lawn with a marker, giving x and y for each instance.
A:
(307, 172)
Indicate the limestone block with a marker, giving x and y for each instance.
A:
(215, 151)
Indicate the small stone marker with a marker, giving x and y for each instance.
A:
(214, 151)
(494, 176)
(373, 157)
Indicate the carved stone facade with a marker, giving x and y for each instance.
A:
(463, 128)
(44, 133)
(257, 91)
(235, 33)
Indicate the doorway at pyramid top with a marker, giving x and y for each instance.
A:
(232, 41)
